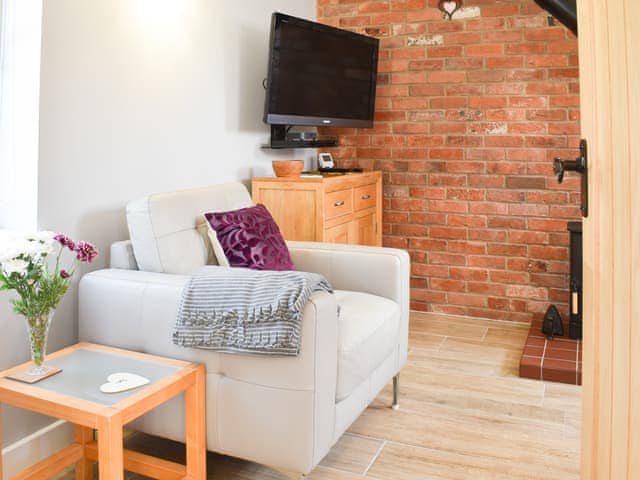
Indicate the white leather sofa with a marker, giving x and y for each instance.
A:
(285, 412)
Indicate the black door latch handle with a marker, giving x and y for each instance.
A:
(578, 165)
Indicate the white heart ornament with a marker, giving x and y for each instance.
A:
(449, 7)
(122, 381)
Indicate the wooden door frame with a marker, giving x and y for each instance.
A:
(610, 115)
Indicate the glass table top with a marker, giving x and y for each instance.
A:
(84, 370)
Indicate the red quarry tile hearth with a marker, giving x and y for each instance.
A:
(557, 360)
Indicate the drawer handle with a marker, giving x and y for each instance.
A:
(339, 204)
(365, 197)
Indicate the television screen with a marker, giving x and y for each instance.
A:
(320, 75)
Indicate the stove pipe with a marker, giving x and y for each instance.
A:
(563, 10)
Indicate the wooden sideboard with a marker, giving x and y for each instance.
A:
(334, 208)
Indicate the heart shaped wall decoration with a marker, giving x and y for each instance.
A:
(122, 381)
(449, 7)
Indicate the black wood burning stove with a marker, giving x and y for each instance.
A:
(575, 280)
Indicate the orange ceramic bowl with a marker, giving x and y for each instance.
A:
(287, 168)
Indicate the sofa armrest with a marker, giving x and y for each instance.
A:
(376, 270)
(122, 256)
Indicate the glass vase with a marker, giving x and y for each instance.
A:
(38, 331)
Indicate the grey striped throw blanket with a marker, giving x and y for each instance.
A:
(245, 311)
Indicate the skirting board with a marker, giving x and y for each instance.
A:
(35, 447)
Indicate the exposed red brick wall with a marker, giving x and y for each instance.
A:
(469, 116)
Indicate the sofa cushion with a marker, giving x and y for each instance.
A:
(248, 238)
(368, 328)
(169, 232)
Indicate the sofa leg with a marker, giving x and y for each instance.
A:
(396, 387)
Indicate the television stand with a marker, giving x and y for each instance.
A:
(279, 139)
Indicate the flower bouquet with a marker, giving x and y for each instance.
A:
(28, 266)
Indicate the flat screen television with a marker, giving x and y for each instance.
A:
(319, 75)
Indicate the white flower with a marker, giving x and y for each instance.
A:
(15, 266)
(43, 236)
(12, 245)
(33, 246)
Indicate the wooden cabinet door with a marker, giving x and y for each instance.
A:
(366, 230)
(338, 234)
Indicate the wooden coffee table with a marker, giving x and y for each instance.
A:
(74, 395)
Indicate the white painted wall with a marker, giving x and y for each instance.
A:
(141, 96)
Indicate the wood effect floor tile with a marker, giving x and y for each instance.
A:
(352, 453)
(511, 338)
(468, 350)
(564, 396)
(401, 462)
(443, 362)
(413, 400)
(425, 341)
(450, 328)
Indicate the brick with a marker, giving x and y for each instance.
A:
(548, 252)
(412, 77)
(467, 299)
(529, 210)
(486, 261)
(448, 102)
(525, 48)
(486, 288)
(500, 10)
(425, 90)
(547, 224)
(447, 285)
(525, 291)
(444, 51)
(446, 153)
(506, 249)
(526, 183)
(502, 276)
(475, 221)
(445, 77)
(484, 49)
(547, 61)
(504, 36)
(469, 63)
(448, 232)
(528, 237)
(425, 65)
(485, 24)
(477, 248)
(504, 62)
(506, 222)
(488, 235)
(438, 258)
(486, 76)
(465, 167)
(449, 206)
(470, 274)
(525, 75)
(488, 102)
(424, 140)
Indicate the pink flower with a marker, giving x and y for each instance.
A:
(65, 241)
(64, 274)
(85, 252)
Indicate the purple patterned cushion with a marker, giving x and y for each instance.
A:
(250, 238)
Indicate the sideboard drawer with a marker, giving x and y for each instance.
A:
(338, 203)
(364, 197)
